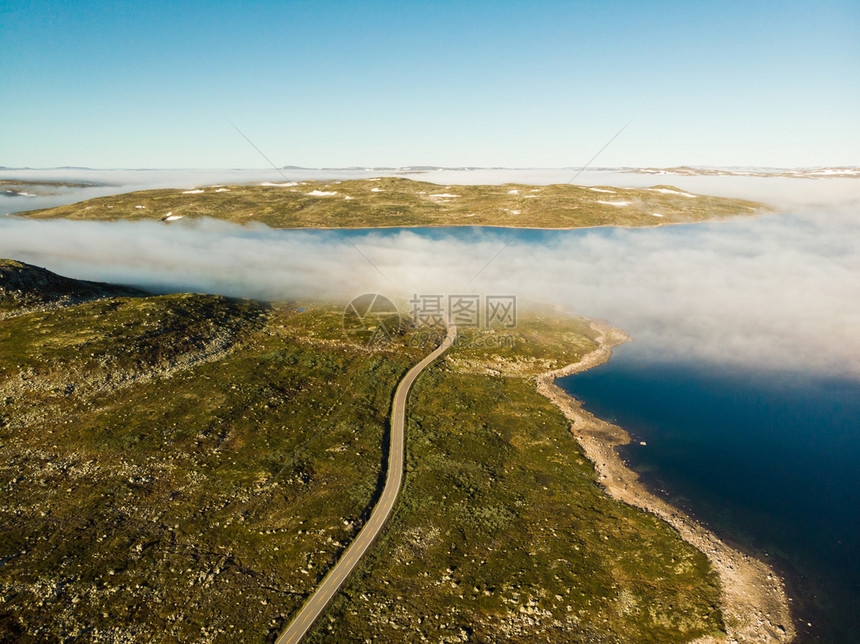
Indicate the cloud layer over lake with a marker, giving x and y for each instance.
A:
(780, 291)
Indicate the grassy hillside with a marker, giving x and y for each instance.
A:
(187, 468)
(23, 286)
(371, 203)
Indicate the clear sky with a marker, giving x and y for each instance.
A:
(517, 84)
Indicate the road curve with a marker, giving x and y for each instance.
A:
(317, 602)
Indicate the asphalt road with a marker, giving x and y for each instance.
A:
(317, 602)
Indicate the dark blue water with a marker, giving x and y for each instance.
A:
(769, 462)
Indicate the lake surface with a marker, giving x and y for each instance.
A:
(768, 462)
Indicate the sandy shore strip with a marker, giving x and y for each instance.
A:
(753, 599)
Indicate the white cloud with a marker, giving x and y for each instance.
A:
(778, 291)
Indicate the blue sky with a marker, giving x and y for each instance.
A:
(517, 84)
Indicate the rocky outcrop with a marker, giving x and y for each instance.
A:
(25, 288)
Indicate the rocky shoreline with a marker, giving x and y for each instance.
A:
(753, 599)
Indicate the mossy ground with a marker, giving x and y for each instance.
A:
(394, 201)
(187, 467)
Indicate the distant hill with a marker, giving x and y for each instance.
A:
(397, 201)
(820, 172)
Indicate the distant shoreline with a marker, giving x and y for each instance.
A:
(753, 598)
(765, 210)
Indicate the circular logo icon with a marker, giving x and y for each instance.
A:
(372, 320)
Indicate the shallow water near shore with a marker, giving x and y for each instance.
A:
(767, 462)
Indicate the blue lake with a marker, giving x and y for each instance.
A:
(769, 463)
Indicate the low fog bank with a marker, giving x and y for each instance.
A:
(778, 292)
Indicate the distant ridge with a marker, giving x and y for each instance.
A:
(682, 169)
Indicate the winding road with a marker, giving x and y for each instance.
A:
(317, 602)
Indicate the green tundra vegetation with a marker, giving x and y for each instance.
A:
(396, 201)
(187, 467)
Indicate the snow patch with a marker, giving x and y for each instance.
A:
(444, 195)
(667, 191)
(193, 192)
(223, 190)
(377, 190)
(171, 217)
(656, 214)
(616, 203)
(320, 193)
(612, 192)
(849, 171)
(513, 192)
(141, 207)
(279, 185)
